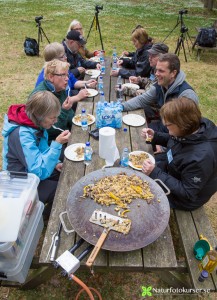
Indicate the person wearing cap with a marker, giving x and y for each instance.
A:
(72, 43)
(146, 82)
(139, 64)
(170, 84)
(76, 25)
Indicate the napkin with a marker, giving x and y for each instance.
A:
(107, 145)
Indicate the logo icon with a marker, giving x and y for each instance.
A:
(146, 291)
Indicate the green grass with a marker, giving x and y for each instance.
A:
(117, 19)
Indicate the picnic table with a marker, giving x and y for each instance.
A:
(161, 256)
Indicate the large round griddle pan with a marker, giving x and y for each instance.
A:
(148, 220)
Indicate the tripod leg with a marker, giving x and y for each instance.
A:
(178, 46)
(91, 26)
(183, 46)
(97, 25)
(43, 33)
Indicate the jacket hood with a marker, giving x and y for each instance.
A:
(17, 114)
(206, 132)
(178, 81)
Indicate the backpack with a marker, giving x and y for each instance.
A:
(31, 47)
(206, 37)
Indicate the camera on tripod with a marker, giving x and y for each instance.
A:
(98, 7)
(183, 11)
(184, 29)
(37, 19)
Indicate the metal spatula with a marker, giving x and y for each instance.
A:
(109, 222)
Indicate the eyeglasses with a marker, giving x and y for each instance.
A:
(168, 124)
(63, 56)
(63, 75)
(78, 28)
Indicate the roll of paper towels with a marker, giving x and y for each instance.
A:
(107, 145)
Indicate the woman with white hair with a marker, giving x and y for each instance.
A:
(76, 25)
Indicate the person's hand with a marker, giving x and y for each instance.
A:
(63, 137)
(125, 53)
(147, 167)
(67, 104)
(134, 79)
(147, 134)
(81, 95)
(119, 62)
(114, 73)
(81, 70)
(59, 167)
(91, 83)
(98, 66)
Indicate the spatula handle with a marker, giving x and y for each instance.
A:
(97, 247)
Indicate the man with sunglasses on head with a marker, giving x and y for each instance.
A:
(146, 82)
(72, 43)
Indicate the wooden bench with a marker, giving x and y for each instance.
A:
(191, 225)
(200, 49)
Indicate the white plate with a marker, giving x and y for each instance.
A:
(92, 93)
(71, 154)
(131, 85)
(93, 73)
(78, 123)
(133, 120)
(139, 152)
(95, 58)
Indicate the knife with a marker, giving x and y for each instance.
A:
(56, 242)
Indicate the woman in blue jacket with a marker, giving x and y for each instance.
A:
(25, 146)
(190, 166)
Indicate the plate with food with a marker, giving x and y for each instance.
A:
(95, 59)
(130, 85)
(133, 120)
(93, 73)
(75, 152)
(77, 119)
(136, 159)
(92, 93)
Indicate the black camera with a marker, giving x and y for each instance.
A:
(184, 29)
(37, 19)
(97, 8)
(183, 11)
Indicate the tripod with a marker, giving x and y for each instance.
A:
(40, 33)
(184, 36)
(96, 23)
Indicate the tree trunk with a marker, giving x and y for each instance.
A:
(208, 4)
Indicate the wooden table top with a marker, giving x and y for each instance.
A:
(159, 255)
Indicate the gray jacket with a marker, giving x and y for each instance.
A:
(151, 96)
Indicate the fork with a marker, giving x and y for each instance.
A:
(57, 128)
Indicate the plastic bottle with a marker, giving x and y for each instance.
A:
(114, 54)
(203, 275)
(114, 64)
(84, 125)
(100, 84)
(102, 62)
(125, 158)
(209, 262)
(119, 91)
(87, 154)
(102, 97)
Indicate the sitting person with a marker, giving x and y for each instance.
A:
(25, 146)
(56, 51)
(76, 25)
(146, 82)
(170, 83)
(56, 81)
(189, 167)
(138, 65)
(72, 43)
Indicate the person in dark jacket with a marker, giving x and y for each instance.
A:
(190, 169)
(72, 43)
(138, 64)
